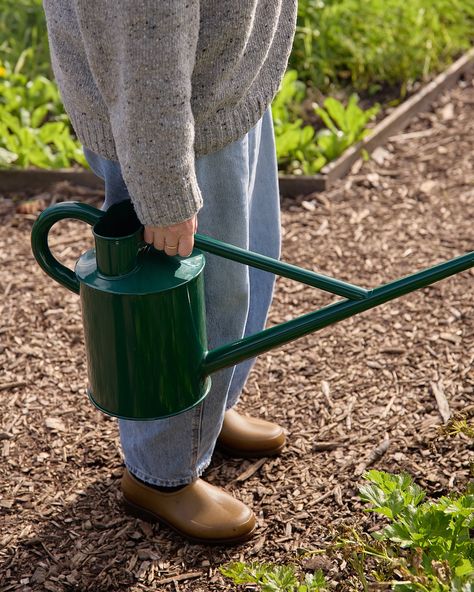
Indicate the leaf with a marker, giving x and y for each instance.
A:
(7, 157)
(398, 533)
(38, 115)
(465, 568)
(55, 424)
(326, 119)
(336, 111)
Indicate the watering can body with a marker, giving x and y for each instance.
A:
(145, 340)
(144, 312)
(143, 315)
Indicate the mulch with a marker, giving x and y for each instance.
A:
(370, 392)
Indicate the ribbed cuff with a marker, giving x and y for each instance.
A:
(164, 204)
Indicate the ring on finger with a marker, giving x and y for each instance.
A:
(171, 247)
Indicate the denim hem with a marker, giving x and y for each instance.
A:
(198, 471)
(232, 402)
(159, 482)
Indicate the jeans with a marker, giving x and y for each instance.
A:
(239, 185)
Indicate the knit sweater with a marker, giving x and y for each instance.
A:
(153, 84)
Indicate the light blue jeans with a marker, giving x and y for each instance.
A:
(239, 185)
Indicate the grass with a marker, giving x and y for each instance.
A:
(368, 44)
(23, 37)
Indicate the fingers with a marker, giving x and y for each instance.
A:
(177, 239)
(186, 244)
(148, 235)
(171, 249)
(155, 236)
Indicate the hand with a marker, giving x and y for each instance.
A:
(177, 239)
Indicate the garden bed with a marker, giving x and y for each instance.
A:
(365, 385)
(395, 121)
(290, 185)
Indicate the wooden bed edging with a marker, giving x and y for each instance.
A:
(290, 185)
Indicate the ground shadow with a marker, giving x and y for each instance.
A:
(92, 544)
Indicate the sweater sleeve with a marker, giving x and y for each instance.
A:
(141, 54)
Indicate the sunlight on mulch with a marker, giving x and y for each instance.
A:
(371, 391)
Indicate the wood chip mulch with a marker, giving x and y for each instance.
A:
(369, 392)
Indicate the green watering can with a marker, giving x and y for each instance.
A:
(140, 306)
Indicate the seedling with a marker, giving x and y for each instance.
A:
(273, 578)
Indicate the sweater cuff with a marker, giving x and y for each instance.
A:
(164, 204)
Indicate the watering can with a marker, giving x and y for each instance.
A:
(140, 306)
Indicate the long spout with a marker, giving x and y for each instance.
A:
(248, 347)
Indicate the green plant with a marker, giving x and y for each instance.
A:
(302, 150)
(429, 543)
(24, 42)
(34, 129)
(459, 424)
(295, 148)
(345, 125)
(273, 578)
(378, 42)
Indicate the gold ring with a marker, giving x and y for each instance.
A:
(171, 246)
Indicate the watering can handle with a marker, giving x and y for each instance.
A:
(305, 276)
(39, 239)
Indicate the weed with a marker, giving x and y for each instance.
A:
(378, 42)
(273, 578)
(302, 150)
(24, 42)
(429, 543)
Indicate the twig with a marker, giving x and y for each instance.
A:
(251, 470)
(179, 578)
(441, 400)
(9, 385)
(349, 414)
(375, 455)
(327, 392)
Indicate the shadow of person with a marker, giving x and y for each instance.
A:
(91, 544)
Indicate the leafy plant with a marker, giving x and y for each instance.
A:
(296, 151)
(378, 42)
(34, 129)
(302, 150)
(273, 578)
(432, 538)
(23, 39)
(345, 125)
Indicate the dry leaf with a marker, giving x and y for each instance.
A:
(55, 424)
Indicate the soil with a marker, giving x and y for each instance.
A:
(370, 392)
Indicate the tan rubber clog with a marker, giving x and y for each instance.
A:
(248, 437)
(199, 511)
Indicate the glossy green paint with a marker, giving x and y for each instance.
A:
(144, 349)
(39, 239)
(144, 313)
(311, 278)
(242, 349)
(138, 307)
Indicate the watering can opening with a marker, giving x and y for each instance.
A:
(119, 221)
(118, 238)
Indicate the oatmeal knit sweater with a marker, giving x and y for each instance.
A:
(153, 84)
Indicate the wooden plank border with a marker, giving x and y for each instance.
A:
(397, 120)
(290, 185)
(39, 180)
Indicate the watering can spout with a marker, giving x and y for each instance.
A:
(357, 300)
(140, 306)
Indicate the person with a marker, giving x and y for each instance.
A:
(171, 102)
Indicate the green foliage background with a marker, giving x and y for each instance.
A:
(369, 43)
(340, 46)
